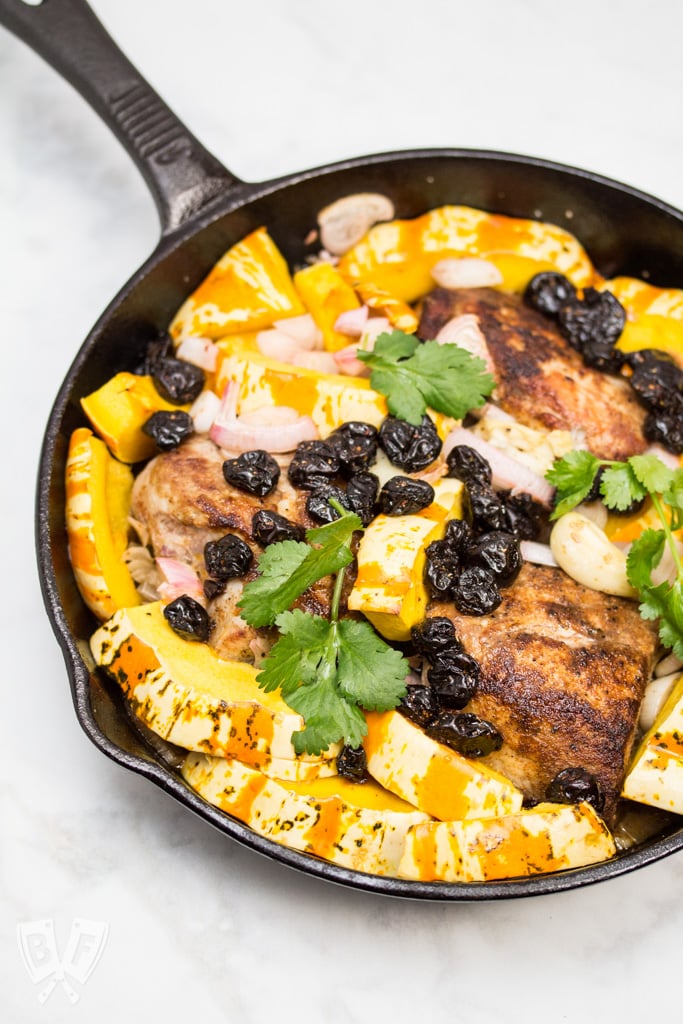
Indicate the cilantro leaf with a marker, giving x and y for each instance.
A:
(671, 622)
(329, 717)
(277, 566)
(644, 556)
(663, 601)
(621, 484)
(673, 497)
(295, 657)
(290, 567)
(326, 671)
(370, 671)
(620, 487)
(338, 532)
(651, 473)
(573, 477)
(414, 375)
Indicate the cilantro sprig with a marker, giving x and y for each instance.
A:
(326, 669)
(621, 484)
(414, 375)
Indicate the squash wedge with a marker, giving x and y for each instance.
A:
(97, 499)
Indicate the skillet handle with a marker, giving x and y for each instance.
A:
(180, 173)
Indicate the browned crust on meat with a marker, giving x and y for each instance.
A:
(185, 501)
(563, 672)
(541, 380)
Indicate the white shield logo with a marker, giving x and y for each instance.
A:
(38, 948)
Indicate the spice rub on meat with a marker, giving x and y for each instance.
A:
(184, 501)
(563, 672)
(541, 380)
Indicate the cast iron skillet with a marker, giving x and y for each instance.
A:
(203, 210)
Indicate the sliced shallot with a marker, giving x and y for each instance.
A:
(352, 322)
(303, 329)
(230, 432)
(668, 665)
(656, 693)
(200, 351)
(204, 411)
(539, 554)
(346, 362)
(277, 345)
(464, 331)
(507, 472)
(180, 579)
(466, 272)
(322, 362)
(375, 326)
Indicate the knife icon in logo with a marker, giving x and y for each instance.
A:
(38, 948)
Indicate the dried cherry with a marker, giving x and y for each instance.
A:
(548, 292)
(314, 463)
(403, 496)
(470, 735)
(572, 785)
(255, 472)
(270, 528)
(409, 447)
(168, 428)
(177, 380)
(188, 618)
(476, 592)
(355, 445)
(228, 557)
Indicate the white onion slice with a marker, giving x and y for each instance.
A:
(464, 331)
(656, 693)
(352, 322)
(269, 416)
(277, 345)
(493, 412)
(204, 410)
(180, 579)
(667, 665)
(321, 362)
(228, 430)
(507, 472)
(539, 554)
(466, 272)
(303, 329)
(595, 511)
(346, 362)
(375, 326)
(199, 351)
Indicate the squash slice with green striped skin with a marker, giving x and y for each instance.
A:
(97, 501)
(548, 837)
(431, 776)
(189, 696)
(656, 774)
(355, 825)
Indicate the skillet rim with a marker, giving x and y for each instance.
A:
(240, 195)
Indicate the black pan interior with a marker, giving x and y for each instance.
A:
(624, 231)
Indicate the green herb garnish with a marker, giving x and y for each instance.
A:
(621, 484)
(414, 375)
(326, 669)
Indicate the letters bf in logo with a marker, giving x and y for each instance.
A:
(38, 948)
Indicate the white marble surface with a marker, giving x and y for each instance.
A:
(200, 928)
